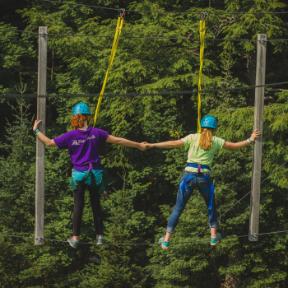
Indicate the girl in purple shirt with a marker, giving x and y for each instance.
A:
(83, 144)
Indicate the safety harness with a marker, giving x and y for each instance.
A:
(200, 168)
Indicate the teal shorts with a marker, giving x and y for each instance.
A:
(89, 177)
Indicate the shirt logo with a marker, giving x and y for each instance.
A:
(81, 141)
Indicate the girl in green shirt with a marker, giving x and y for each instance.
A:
(201, 150)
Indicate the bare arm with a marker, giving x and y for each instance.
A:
(237, 145)
(125, 142)
(41, 136)
(167, 144)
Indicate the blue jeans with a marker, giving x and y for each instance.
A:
(188, 182)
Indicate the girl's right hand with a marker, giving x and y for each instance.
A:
(36, 124)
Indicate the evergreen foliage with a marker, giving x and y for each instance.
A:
(158, 51)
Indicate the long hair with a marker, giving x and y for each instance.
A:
(78, 120)
(206, 137)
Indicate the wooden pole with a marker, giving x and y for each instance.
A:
(258, 124)
(40, 152)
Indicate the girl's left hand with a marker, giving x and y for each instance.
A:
(255, 134)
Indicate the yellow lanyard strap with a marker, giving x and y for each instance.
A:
(202, 31)
(120, 22)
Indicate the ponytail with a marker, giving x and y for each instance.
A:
(206, 137)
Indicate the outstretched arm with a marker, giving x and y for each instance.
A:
(125, 142)
(237, 145)
(41, 136)
(166, 144)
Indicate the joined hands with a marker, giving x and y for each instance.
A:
(145, 146)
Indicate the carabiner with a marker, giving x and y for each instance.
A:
(122, 12)
(203, 15)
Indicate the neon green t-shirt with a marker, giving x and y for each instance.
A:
(199, 155)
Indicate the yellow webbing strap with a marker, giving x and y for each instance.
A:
(118, 30)
(202, 31)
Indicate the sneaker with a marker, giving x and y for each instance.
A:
(215, 240)
(164, 244)
(73, 242)
(99, 239)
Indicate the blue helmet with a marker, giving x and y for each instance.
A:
(209, 121)
(81, 108)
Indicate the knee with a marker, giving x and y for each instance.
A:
(178, 210)
(211, 209)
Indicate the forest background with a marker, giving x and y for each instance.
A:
(151, 96)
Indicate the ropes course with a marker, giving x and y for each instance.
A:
(200, 92)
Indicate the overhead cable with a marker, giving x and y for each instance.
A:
(60, 35)
(85, 5)
(156, 93)
(190, 12)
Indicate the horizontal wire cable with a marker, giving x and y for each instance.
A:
(254, 13)
(60, 36)
(262, 234)
(190, 12)
(133, 244)
(135, 94)
(161, 37)
(55, 35)
(18, 235)
(86, 5)
(273, 232)
(125, 35)
(237, 236)
(245, 39)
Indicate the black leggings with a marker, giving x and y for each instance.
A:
(79, 193)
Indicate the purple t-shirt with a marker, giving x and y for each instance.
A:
(83, 146)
